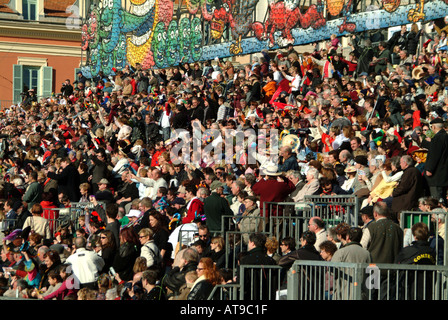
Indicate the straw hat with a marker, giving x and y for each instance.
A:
(350, 169)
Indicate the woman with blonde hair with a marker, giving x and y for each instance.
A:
(149, 250)
(84, 190)
(217, 252)
(272, 246)
(140, 265)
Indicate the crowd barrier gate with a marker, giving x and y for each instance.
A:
(323, 280)
(408, 218)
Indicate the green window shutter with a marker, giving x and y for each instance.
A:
(47, 83)
(17, 87)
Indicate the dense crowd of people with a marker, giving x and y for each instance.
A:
(370, 123)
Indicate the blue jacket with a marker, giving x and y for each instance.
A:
(289, 164)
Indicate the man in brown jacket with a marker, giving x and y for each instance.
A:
(410, 188)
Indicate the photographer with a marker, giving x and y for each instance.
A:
(67, 88)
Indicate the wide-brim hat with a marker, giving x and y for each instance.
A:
(271, 171)
(216, 184)
(418, 72)
(103, 181)
(350, 169)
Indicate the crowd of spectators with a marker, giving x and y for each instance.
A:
(369, 122)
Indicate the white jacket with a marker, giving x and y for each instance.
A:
(151, 252)
(86, 265)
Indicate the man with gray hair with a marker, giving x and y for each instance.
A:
(438, 217)
(436, 166)
(311, 187)
(296, 177)
(41, 253)
(175, 278)
(383, 237)
(289, 160)
(345, 157)
(410, 188)
(374, 168)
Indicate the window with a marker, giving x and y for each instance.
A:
(32, 73)
(29, 9)
(30, 78)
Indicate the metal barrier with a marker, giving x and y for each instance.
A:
(335, 209)
(236, 239)
(321, 280)
(293, 221)
(7, 223)
(259, 282)
(290, 223)
(234, 245)
(437, 232)
(225, 292)
(59, 216)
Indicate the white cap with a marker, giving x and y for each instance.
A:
(133, 213)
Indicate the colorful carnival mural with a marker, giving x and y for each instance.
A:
(162, 33)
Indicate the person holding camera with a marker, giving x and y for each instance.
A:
(67, 88)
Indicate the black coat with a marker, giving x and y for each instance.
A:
(201, 291)
(307, 252)
(215, 207)
(365, 56)
(412, 40)
(258, 284)
(99, 170)
(397, 39)
(124, 260)
(181, 119)
(108, 255)
(197, 113)
(67, 90)
(152, 132)
(68, 182)
(437, 160)
(219, 258)
(175, 278)
(210, 112)
(419, 252)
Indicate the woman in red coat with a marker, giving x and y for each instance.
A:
(195, 207)
(48, 204)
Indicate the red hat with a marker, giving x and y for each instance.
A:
(412, 149)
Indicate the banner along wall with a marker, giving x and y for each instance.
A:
(162, 33)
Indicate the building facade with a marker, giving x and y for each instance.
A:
(39, 46)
